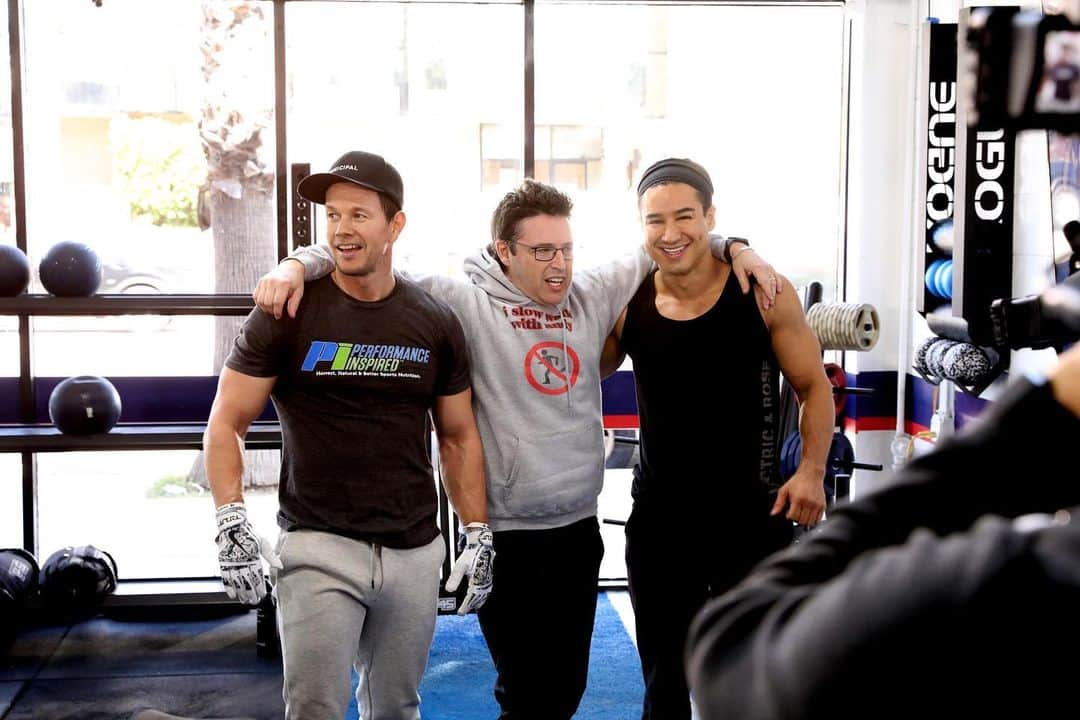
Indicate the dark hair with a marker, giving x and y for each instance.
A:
(706, 201)
(529, 199)
(390, 206)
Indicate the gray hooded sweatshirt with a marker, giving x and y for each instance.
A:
(536, 381)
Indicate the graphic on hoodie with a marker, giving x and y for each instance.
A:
(546, 367)
(527, 318)
(326, 357)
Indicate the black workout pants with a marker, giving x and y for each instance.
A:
(671, 574)
(538, 620)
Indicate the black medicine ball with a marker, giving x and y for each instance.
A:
(84, 405)
(70, 269)
(75, 579)
(18, 581)
(18, 575)
(14, 271)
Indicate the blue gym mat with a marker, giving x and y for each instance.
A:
(460, 675)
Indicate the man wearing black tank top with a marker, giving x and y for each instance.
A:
(707, 360)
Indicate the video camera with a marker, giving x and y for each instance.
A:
(1024, 69)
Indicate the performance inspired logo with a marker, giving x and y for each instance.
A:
(334, 358)
(549, 369)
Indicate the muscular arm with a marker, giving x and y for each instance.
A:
(461, 455)
(240, 399)
(318, 262)
(612, 355)
(799, 354)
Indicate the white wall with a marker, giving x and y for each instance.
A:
(881, 164)
(881, 133)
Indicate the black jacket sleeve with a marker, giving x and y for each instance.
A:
(813, 626)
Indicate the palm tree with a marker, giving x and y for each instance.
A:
(237, 120)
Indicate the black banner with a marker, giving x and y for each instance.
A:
(941, 128)
(988, 225)
(988, 207)
(940, 181)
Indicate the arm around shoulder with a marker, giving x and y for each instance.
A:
(746, 263)
(281, 289)
(316, 259)
(615, 282)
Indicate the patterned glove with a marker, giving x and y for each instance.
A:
(476, 555)
(239, 549)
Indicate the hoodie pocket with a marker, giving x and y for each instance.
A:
(555, 474)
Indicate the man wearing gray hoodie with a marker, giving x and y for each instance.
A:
(536, 333)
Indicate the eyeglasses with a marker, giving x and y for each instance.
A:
(546, 253)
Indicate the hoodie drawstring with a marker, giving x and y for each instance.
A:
(569, 370)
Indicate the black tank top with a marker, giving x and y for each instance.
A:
(708, 400)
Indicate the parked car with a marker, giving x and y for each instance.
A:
(120, 278)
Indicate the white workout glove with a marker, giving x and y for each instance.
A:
(476, 555)
(239, 549)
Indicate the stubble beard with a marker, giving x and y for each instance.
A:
(362, 271)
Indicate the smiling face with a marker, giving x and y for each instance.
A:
(358, 232)
(676, 227)
(544, 282)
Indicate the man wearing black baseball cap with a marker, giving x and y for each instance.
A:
(354, 377)
(359, 168)
(369, 177)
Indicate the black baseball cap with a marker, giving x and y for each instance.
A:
(360, 168)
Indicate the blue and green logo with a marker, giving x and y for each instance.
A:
(359, 357)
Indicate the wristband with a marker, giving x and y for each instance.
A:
(739, 252)
(726, 252)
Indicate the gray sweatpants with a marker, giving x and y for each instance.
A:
(343, 603)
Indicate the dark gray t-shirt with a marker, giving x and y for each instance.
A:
(355, 382)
